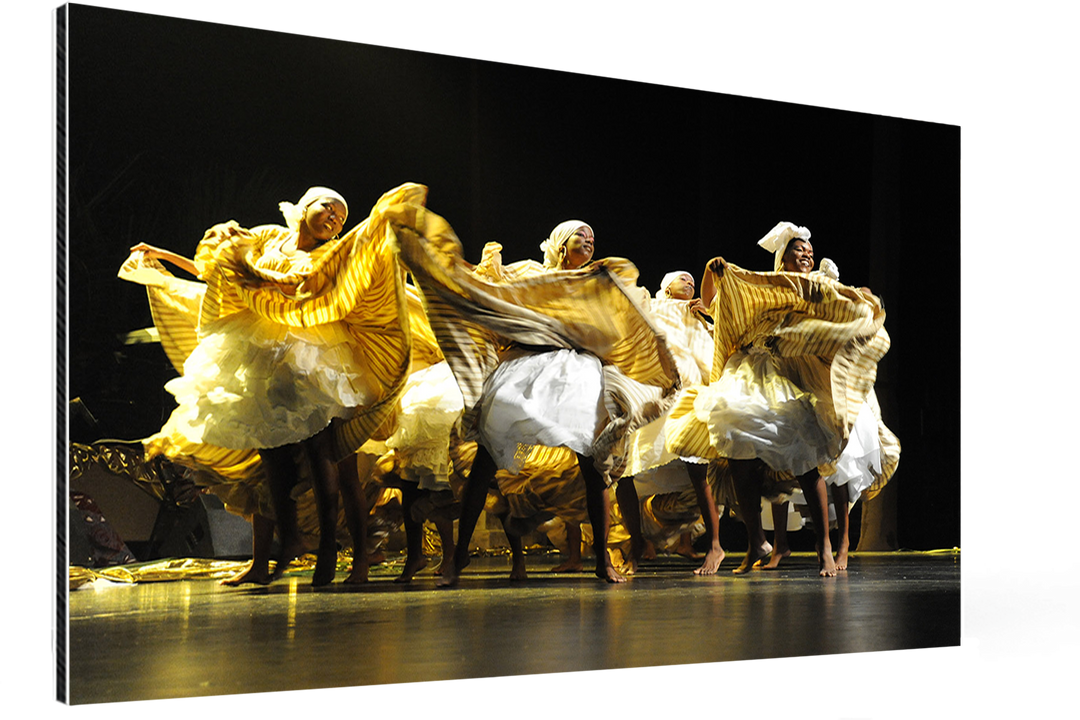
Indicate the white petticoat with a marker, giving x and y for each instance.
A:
(860, 461)
(552, 399)
(752, 411)
(430, 404)
(253, 383)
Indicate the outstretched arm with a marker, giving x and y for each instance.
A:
(178, 260)
(714, 267)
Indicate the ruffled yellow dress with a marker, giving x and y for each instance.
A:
(278, 344)
(795, 360)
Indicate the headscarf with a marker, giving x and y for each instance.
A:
(294, 214)
(778, 238)
(670, 278)
(555, 242)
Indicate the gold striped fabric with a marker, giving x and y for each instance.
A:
(234, 476)
(355, 280)
(595, 309)
(688, 335)
(827, 337)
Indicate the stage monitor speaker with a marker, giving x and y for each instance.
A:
(200, 529)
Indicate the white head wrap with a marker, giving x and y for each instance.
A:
(294, 214)
(552, 247)
(778, 238)
(670, 278)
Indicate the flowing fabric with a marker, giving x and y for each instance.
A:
(690, 339)
(592, 310)
(795, 351)
(342, 311)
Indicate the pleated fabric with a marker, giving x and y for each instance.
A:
(594, 310)
(815, 340)
(351, 289)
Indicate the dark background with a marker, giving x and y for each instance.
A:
(176, 125)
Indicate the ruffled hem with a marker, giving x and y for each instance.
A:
(430, 405)
(252, 383)
(860, 462)
(669, 478)
(752, 411)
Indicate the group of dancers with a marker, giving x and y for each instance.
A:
(319, 369)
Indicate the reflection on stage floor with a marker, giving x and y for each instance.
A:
(188, 638)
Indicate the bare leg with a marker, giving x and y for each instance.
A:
(747, 475)
(445, 527)
(472, 504)
(572, 563)
(599, 515)
(817, 501)
(354, 503)
(327, 486)
(840, 500)
(262, 538)
(281, 477)
(517, 552)
(629, 504)
(780, 544)
(707, 504)
(685, 547)
(415, 561)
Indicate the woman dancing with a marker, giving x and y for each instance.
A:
(871, 453)
(651, 470)
(795, 358)
(557, 355)
(303, 346)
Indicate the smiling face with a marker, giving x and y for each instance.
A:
(579, 248)
(799, 257)
(681, 288)
(324, 218)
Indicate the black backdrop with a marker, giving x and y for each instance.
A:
(175, 125)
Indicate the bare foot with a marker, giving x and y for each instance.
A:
(517, 570)
(606, 571)
(290, 550)
(260, 577)
(686, 550)
(325, 567)
(570, 565)
(753, 554)
(359, 574)
(448, 576)
(649, 552)
(842, 558)
(411, 568)
(712, 562)
(773, 561)
(826, 565)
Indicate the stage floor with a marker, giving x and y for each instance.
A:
(189, 638)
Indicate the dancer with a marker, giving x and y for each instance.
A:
(871, 452)
(567, 375)
(418, 459)
(303, 347)
(651, 470)
(795, 359)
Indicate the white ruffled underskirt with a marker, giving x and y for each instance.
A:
(253, 383)
(430, 404)
(860, 460)
(554, 399)
(668, 478)
(753, 411)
